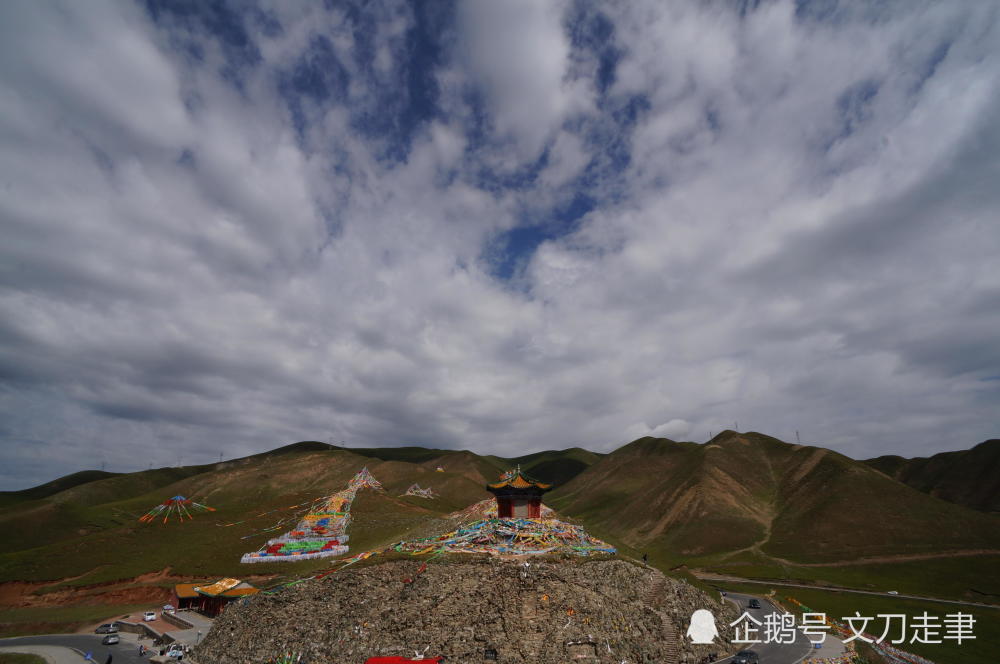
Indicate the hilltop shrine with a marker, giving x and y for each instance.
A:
(518, 496)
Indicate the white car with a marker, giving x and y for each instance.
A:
(149, 615)
(175, 651)
(892, 592)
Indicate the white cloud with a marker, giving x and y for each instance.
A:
(674, 429)
(518, 53)
(802, 236)
(567, 158)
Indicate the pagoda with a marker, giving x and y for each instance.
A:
(518, 496)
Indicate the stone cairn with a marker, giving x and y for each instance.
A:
(473, 609)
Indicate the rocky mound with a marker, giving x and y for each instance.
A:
(537, 611)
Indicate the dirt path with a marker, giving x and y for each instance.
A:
(710, 576)
(755, 547)
(898, 558)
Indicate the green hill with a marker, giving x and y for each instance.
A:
(103, 541)
(87, 523)
(967, 477)
(753, 494)
(745, 504)
(53, 487)
(552, 466)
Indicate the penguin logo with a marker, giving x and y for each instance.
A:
(702, 628)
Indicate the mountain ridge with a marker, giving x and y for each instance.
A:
(967, 477)
(742, 503)
(738, 495)
(751, 493)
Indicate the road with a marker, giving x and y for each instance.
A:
(722, 578)
(123, 653)
(770, 653)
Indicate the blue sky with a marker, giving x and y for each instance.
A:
(503, 227)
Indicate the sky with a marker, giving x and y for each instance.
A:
(497, 226)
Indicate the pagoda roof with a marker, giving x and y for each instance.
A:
(227, 588)
(517, 480)
(186, 590)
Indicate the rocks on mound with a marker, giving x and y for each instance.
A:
(536, 611)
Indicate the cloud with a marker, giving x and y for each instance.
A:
(674, 429)
(503, 228)
(517, 52)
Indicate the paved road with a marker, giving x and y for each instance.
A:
(723, 578)
(771, 653)
(49, 654)
(123, 653)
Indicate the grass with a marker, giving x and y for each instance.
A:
(20, 658)
(970, 578)
(90, 532)
(981, 650)
(200, 549)
(80, 539)
(54, 487)
(22, 621)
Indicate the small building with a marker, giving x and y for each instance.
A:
(185, 596)
(211, 599)
(518, 496)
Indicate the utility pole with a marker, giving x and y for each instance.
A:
(797, 439)
(736, 426)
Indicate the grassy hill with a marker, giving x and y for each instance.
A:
(753, 494)
(53, 487)
(744, 497)
(968, 477)
(556, 466)
(86, 525)
(745, 504)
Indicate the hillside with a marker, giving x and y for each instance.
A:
(967, 477)
(551, 611)
(86, 523)
(65, 536)
(53, 487)
(556, 466)
(743, 504)
(75, 545)
(753, 494)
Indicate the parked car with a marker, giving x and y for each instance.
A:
(111, 639)
(175, 651)
(754, 603)
(746, 657)
(107, 628)
(149, 615)
(893, 592)
(172, 654)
